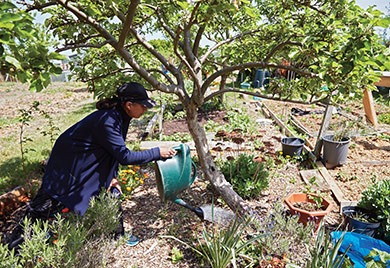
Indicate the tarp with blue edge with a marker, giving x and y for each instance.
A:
(361, 245)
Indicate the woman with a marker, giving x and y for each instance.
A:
(85, 157)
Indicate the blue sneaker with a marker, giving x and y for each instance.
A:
(132, 241)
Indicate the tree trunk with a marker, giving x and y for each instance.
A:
(217, 179)
(222, 87)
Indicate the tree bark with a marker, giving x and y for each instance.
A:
(211, 172)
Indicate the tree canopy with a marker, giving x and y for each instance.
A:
(24, 48)
(330, 44)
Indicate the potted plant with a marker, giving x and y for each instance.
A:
(335, 147)
(309, 207)
(360, 220)
(376, 199)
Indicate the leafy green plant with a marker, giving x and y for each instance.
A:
(376, 198)
(316, 195)
(286, 233)
(247, 177)
(377, 259)
(25, 116)
(241, 121)
(324, 254)
(52, 130)
(130, 178)
(69, 240)
(384, 118)
(176, 255)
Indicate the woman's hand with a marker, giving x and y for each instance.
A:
(115, 184)
(166, 152)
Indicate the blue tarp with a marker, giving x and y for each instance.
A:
(361, 245)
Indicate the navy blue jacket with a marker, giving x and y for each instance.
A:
(85, 158)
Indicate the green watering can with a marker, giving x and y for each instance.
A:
(173, 175)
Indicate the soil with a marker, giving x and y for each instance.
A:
(368, 158)
(180, 125)
(151, 220)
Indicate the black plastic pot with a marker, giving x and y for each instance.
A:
(292, 146)
(357, 226)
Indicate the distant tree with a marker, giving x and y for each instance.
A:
(325, 42)
(24, 49)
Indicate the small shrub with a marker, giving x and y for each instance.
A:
(69, 240)
(130, 179)
(376, 198)
(247, 177)
(286, 236)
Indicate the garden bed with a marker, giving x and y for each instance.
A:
(149, 219)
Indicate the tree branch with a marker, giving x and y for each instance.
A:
(307, 3)
(81, 45)
(255, 94)
(127, 70)
(161, 72)
(87, 19)
(128, 22)
(155, 53)
(204, 57)
(279, 46)
(258, 64)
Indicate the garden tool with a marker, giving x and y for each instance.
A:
(173, 175)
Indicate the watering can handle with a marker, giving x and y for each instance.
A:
(195, 171)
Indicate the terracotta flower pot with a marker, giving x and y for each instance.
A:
(304, 215)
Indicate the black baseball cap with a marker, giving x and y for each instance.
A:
(135, 92)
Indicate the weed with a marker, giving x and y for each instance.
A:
(176, 255)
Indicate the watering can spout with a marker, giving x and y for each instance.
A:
(197, 211)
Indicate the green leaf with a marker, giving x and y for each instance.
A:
(7, 17)
(384, 22)
(57, 56)
(6, 5)
(182, 4)
(13, 61)
(250, 12)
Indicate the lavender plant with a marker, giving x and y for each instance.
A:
(69, 240)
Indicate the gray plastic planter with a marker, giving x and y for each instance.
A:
(335, 152)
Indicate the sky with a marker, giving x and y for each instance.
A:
(382, 5)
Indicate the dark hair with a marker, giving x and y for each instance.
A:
(107, 103)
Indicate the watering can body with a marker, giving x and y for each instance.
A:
(173, 175)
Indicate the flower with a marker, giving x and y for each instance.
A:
(55, 241)
(127, 197)
(141, 181)
(124, 178)
(136, 178)
(124, 182)
(128, 189)
(146, 175)
(65, 210)
(287, 156)
(280, 153)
